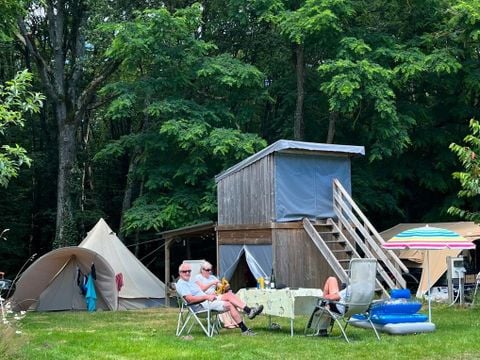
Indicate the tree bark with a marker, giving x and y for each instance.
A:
(127, 195)
(65, 230)
(332, 122)
(298, 125)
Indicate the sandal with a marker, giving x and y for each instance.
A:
(232, 326)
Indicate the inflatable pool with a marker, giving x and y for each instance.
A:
(396, 329)
(397, 315)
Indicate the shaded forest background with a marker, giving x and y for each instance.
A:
(146, 101)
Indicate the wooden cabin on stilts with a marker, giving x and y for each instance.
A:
(289, 208)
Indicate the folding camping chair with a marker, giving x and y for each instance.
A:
(360, 293)
(189, 314)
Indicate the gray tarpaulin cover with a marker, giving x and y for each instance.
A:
(303, 185)
(290, 145)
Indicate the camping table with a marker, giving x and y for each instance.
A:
(284, 302)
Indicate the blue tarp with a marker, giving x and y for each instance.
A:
(303, 185)
(290, 145)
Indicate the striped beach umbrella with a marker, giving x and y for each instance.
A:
(428, 238)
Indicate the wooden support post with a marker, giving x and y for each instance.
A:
(167, 271)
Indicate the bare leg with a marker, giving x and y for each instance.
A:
(233, 311)
(233, 299)
(331, 289)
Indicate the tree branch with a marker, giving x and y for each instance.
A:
(43, 68)
(87, 94)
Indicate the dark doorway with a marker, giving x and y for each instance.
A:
(242, 276)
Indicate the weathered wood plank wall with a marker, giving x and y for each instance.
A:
(247, 196)
(297, 261)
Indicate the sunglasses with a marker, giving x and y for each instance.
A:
(208, 270)
(186, 271)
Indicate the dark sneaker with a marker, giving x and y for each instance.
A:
(248, 332)
(254, 312)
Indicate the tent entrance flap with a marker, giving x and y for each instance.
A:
(258, 258)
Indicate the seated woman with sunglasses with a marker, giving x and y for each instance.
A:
(208, 283)
(206, 280)
(192, 293)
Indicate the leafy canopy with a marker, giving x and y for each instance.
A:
(188, 106)
(15, 101)
(469, 178)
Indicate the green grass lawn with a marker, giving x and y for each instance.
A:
(150, 334)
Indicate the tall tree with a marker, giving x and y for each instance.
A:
(307, 24)
(54, 34)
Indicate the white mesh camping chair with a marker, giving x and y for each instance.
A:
(191, 314)
(360, 293)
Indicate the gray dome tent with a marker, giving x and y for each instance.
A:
(50, 283)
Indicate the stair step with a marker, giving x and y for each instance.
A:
(333, 232)
(336, 241)
(345, 251)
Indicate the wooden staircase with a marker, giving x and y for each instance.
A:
(351, 235)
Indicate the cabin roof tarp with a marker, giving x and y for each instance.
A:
(285, 145)
(302, 177)
(50, 283)
(141, 288)
(437, 258)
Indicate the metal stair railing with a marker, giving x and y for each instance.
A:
(352, 219)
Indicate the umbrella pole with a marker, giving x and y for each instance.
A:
(429, 290)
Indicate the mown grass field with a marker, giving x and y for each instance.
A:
(150, 334)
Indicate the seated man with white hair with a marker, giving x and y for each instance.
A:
(193, 294)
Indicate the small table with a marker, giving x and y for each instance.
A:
(284, 302)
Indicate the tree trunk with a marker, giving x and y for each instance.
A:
(332, 121)
(66, 233)
(298, 125)
(127, 195)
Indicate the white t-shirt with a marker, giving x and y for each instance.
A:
(203, 280)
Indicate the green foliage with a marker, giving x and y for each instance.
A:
(15, 101)
(9, 10)
(469, 178)
(312, 18)
(188, 105)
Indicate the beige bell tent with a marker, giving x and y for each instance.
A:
(141, 288)
(50, 283)
(438, 258)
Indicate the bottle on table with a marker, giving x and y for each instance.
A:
(272, 280)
